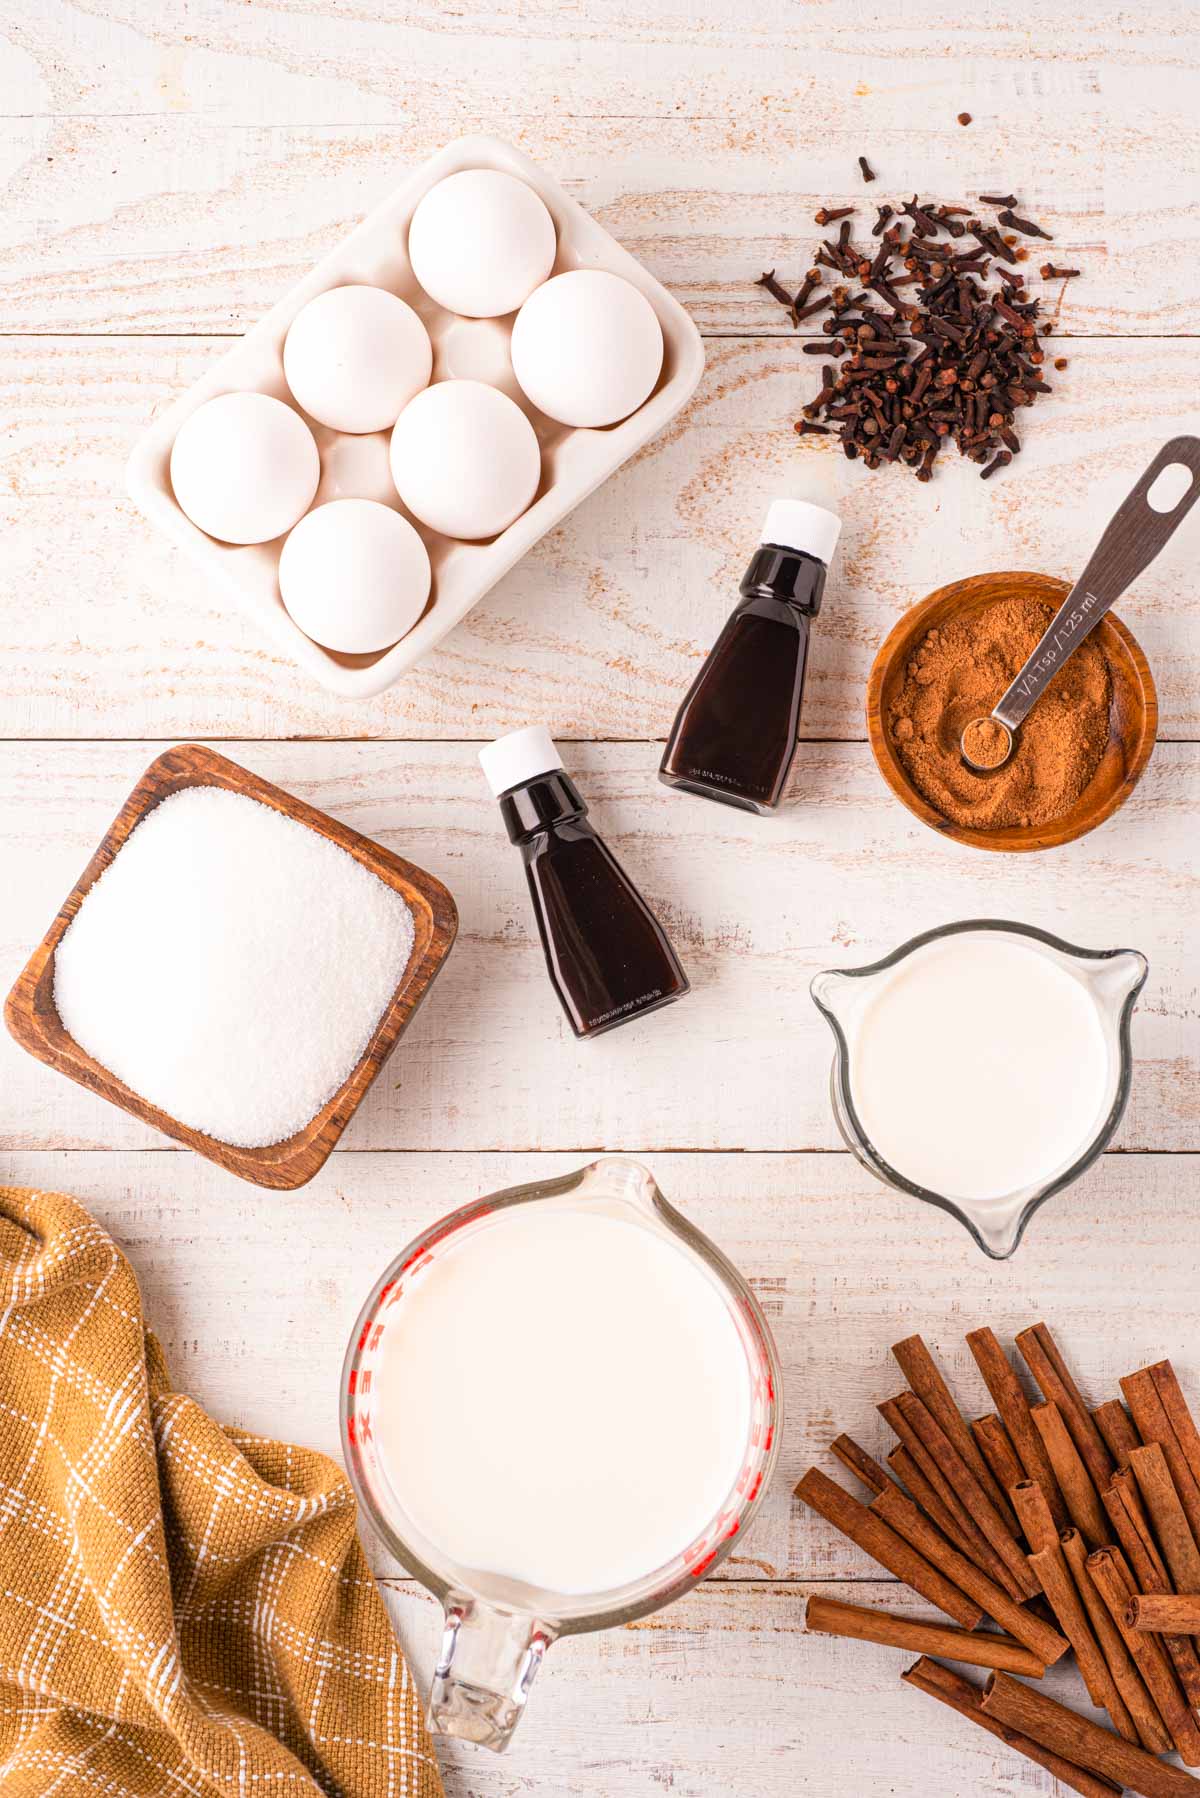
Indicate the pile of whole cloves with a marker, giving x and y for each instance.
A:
(927, 286)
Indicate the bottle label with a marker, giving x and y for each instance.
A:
(753, 789)
(621, 1011)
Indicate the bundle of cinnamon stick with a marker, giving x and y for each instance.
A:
(1073, 1529)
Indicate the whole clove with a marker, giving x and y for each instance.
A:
(1050, 273)
(776, 290)
(868, 173)
(795, 305)
(828, 215)
(1025, 226)
(925, 344)
(801, 312)
(807, 287)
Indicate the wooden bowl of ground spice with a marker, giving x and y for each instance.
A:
(1079, 753)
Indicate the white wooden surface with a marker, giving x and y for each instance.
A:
(168, 169)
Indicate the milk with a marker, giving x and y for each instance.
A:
(980, 1066)
(561, 1397)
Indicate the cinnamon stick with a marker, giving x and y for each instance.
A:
(1125, 1506)
(898, 1511)
(1050, 1565)
(1167, 1514)
(857, 1461)
(1034, 1511)
(829, 1617)
(1075, 1482)
(997, 1450)
(966, 1532)
(1149, 1725)
(972, 1495)
(1045, 1363)
(1113, 1422)
(1170, 1395)
(1013, 1406)
(1171, 1613)
(906, 1469)
(925, 1378)
(1081, 1741)
(1160, 1412)
(1129, 1518)
(874, 1537)
(960, 1695)
(1115, 1585)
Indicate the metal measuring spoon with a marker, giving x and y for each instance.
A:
(1139, 528)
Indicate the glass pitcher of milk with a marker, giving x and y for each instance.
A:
(982, 1067)
(561, 1406)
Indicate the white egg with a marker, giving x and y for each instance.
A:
(480, 242)
(465, 459)
(355, 356)
(244, 467)
(587, 348)
(354, 575)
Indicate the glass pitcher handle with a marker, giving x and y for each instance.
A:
(488, 1661)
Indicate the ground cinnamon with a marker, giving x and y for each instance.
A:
(956, 675)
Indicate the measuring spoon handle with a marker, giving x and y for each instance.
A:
(1134, 536)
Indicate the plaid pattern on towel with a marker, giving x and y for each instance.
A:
(183, 1609)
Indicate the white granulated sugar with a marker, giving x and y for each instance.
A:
(231, 965)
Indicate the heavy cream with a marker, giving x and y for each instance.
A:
(561, 1397)
(981, 1065)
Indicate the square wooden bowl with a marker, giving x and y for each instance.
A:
(32, 1019)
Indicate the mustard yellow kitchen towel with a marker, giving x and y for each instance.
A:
(184, 1609)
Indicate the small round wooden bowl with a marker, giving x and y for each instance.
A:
(1132, 719)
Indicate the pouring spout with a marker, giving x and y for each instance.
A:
(830, 990)
(1122, 975)
(996, 1225)
(620, 1176)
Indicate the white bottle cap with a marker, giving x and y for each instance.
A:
(520, 756)
(796, 524)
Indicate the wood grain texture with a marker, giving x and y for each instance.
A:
(254, 1295)
(754, 907)
(726, 1696)
(34, 1023)
(108, 633)
(168, 170)
(1132, 724)
(606, 59)
(185, 222)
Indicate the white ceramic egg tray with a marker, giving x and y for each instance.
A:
(574, 462)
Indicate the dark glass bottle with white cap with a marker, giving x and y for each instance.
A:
(609, 958)
(735, 735)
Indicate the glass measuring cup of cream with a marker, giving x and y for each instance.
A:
(560, 1407)
(982, 1067)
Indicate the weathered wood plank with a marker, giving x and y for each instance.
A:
(107, 631)
(755, 908)
(726, 1694)
(254, 1295)
(212, 152)
(182, 224)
